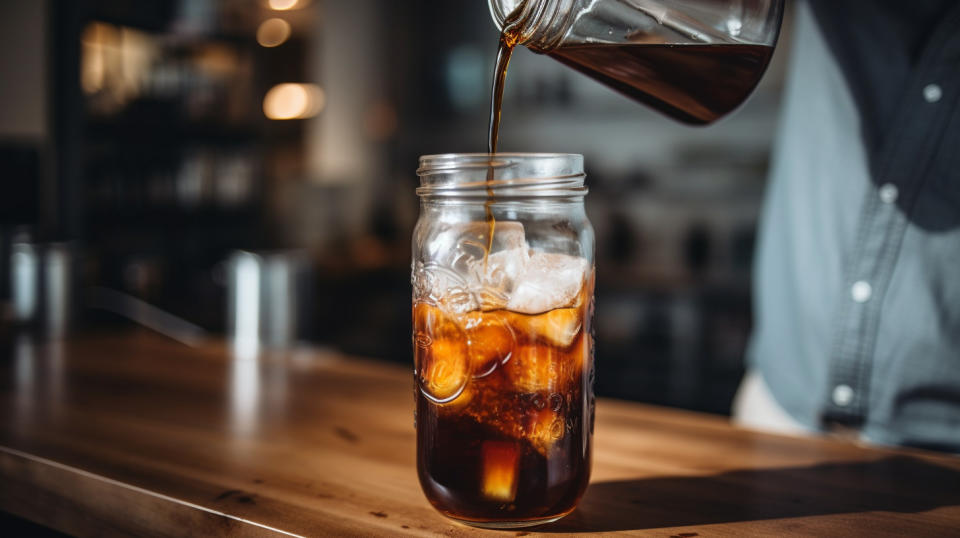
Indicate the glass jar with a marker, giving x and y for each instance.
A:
(502, 274)
(694, 60)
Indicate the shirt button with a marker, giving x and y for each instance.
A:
(932, 93)
(861, 291)
(889, 193)
(842, 395)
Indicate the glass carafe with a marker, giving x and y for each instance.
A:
(693, 60)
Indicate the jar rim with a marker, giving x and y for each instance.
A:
(442, 161)
(502, 175)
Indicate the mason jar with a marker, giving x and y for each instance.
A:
(503, 277)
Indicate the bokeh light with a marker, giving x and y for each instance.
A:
(283, 5)
(273, 32)
(291, 101)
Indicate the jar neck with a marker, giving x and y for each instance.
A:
(540, 25)
(504, 176)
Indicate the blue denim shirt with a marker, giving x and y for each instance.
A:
(858, 266)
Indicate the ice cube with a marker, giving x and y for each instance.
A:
(503, 267)
(549, 281)
(500, 461)
(558, 327)
(460, 403)
(440, 353)
(462, 275)
(454, 243)
(457, 299)
(578, 356)
(443, 369)
(490, 341)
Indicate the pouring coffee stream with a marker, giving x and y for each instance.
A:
(504, 52)
(508, 40)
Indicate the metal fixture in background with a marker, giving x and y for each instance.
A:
(264, 291)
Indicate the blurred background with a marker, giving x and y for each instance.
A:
(246, 167)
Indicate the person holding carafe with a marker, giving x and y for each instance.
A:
(857, 286)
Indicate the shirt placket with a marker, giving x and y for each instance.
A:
(902, 169)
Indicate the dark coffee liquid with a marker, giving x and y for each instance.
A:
(457, 451)
(695, 84)
(514, 444)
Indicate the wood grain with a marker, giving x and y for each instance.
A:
(137, 435)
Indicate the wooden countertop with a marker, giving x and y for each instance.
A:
(141, 435)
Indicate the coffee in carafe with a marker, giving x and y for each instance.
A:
(693, 60)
